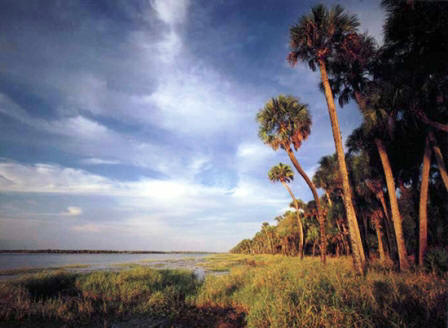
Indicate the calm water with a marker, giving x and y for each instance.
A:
(95, 261)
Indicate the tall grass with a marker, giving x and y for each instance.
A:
(259, 291)
(83, 298)
(285, 292)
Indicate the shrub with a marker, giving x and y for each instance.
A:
(436, 260)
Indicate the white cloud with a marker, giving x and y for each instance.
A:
(49, 178)
(174, 195)
(171, 12)
(99, 161)
(72, 211)
(185, 213)
(251, 150)
(197, 100)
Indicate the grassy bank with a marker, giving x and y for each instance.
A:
(277, 291)
(259, 291)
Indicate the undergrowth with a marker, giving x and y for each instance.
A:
(258, 291)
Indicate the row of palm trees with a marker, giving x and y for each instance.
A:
(400, 89)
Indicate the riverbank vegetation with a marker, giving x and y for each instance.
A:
(258, 291)
(387, 197)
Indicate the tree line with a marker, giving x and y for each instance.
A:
(386, 194)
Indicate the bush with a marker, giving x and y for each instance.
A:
(436, 260)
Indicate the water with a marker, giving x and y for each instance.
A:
(10, 261)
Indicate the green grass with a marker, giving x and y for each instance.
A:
(224, 262)
(84, 298)
(277, 291)
(258, 291)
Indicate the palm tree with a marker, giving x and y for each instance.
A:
(285, 175)
(423, 204)
(328, 178)
(316, 39)
(349, 72)
(285, 123)
(266, 229)
(371, 135)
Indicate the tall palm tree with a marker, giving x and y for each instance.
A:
(349, 72)
(417, 68)
(423, 204)
(284, 123)
(285, 175)
(316, 39)
(371, 135)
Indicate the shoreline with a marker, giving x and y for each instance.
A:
(256, 291)
(96, 251)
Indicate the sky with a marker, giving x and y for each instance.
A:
(130, 125)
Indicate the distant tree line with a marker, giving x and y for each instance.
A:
(94, 251)
(387, 197)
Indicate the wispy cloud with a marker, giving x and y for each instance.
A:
(137, 120)
(99, 161)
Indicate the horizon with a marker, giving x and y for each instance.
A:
(62, 251)
(132, 125)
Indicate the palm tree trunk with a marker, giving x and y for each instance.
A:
(330, 202)
(389, 242)
(396, 217)
(299, 221)
(380, 196)
(423, 204)
(365, 232)
(377, 224)
(310, 184)
(439, 158)
(343, 239)
(355, 235)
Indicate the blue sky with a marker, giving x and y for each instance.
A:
(131, 124)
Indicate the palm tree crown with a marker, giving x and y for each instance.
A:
(327, 175)
(284, 120)
(281, 172)
(319, 34)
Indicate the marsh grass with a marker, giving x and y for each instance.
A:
(277, 291)
(258, 291)
(82, 298)
(224, 262)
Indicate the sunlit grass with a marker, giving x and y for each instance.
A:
(224, 262)
(271, 291)
(285, 292)
(82, 298)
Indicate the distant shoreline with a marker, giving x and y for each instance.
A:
(93, 251)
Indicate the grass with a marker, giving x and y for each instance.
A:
(224, 262)
(277, 291)
(80, 299)
(258, 291)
